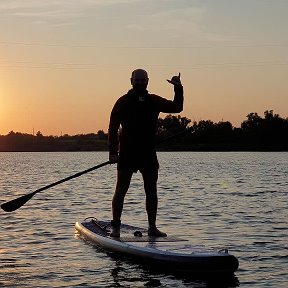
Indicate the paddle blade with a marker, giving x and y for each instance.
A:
(15, 204)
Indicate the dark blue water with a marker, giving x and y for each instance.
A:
(224, 200)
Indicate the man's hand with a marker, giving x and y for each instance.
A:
(113, 158)
(175, 80)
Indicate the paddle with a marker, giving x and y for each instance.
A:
(20, 201)
(15, 204)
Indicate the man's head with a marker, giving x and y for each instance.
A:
(139, 80)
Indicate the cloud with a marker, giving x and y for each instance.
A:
(178, 21)
(53, 8)
(175, 21)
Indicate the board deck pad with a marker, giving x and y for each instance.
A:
(127, 232)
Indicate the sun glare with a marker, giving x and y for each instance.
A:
(2, 109)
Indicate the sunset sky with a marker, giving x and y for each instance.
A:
(63, 63)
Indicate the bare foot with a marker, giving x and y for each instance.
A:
(156, 233)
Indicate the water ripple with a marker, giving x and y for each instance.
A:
(232, 200)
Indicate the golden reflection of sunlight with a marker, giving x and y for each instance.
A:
(76, 234)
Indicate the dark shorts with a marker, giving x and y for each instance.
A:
(147, 163)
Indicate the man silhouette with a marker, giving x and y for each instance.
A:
(134, 148)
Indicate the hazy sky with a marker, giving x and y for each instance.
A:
(63, 63)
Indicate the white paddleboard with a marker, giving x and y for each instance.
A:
(170, 251)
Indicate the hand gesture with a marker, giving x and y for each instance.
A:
(175, 80)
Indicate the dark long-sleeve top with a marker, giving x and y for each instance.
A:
(137, 115)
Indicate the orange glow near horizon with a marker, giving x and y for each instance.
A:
(54, 109)
(61, 74)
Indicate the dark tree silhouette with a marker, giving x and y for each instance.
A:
(268, 133)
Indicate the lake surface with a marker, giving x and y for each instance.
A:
(228, 200)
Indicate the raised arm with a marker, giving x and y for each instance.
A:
(175, 105)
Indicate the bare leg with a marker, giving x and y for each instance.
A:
(150, 185)
(122, 186)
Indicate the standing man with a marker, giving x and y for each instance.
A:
(134, 148)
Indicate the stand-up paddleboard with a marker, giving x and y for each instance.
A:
(170, 251)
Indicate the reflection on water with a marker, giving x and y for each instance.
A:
(126, 272)
(146, 276)
(223, 200)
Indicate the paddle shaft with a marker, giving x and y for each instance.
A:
(71, 177)
(20, 201)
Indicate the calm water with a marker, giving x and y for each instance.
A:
(228, 200)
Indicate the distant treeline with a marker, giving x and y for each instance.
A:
(175, 133)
